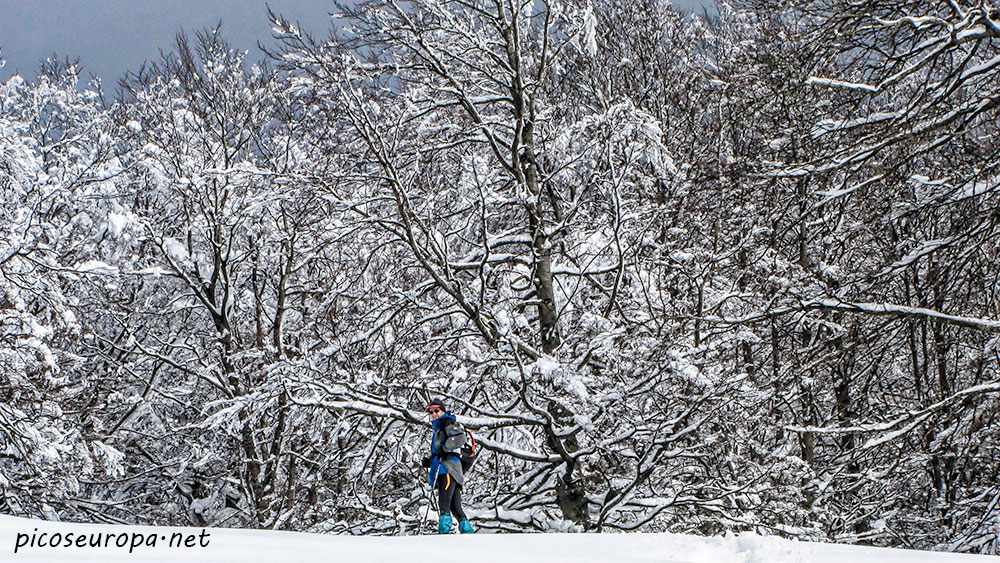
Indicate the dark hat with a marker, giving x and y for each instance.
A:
(436, 403)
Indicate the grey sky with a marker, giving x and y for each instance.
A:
(112, 36)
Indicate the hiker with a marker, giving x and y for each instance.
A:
(445, 467)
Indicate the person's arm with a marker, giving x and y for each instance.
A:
(456, 438)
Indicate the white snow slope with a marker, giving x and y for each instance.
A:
(246, 546)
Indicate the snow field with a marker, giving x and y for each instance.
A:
(154, 544)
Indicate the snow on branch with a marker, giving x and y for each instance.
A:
(918, 22)
(341, 398)
(903, 424)
(833, 83)
(920, 313)
(880, 309)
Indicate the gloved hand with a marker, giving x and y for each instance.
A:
(426, 462)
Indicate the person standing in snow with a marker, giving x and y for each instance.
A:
(445, 467)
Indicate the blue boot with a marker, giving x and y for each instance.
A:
(465, 527)
(444, 523)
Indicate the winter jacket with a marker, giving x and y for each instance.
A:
(447, 441)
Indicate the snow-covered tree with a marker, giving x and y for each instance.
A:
(56, 168)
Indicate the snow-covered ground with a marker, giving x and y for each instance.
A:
(143, 543)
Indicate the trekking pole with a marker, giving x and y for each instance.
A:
(427, 514)
(430, 500)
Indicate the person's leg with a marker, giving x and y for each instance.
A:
(464, 526)
(446, 492)
(446, 488)
(456, 503)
